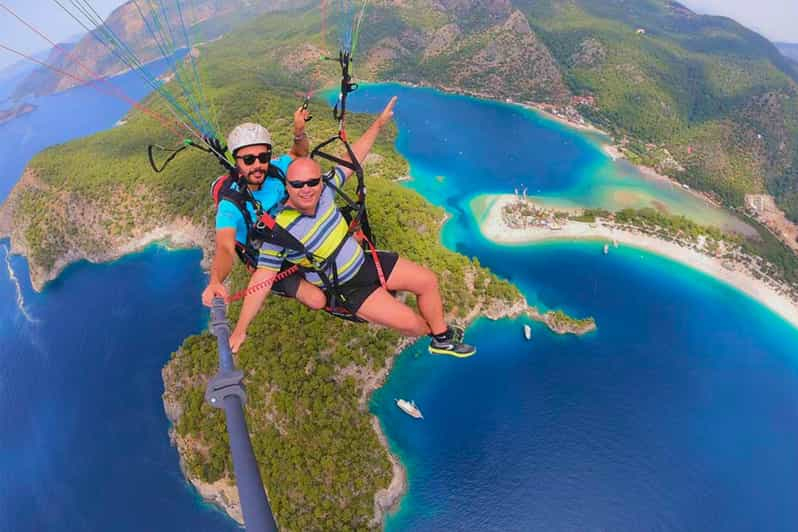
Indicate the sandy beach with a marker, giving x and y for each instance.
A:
(495, 228)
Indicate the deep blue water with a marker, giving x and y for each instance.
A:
(679, 413)
(83, 434)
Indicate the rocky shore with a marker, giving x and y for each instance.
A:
(97, 245)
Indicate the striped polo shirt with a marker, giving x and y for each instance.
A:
(320, 234)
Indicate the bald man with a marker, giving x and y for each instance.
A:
(311, 216)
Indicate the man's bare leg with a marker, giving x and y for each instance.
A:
(380, 307)
(383, 309)
(411, 277)
(310, 295)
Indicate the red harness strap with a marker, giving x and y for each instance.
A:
(360, 235)
(267, 220)
(263, 284)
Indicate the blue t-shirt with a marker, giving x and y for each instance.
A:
(269, 195)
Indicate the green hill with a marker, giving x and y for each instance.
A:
(718, 97)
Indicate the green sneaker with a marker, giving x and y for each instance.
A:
(451, 347)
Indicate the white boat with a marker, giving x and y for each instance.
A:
(409, 408)
(606, 248)
(527, 332)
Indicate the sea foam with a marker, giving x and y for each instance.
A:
(20, 298)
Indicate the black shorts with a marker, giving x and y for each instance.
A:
(356, 290)
(289, 286)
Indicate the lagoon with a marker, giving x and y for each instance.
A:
(678, 413)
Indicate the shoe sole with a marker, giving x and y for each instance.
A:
(434, 351)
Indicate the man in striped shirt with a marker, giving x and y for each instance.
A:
(311, 216)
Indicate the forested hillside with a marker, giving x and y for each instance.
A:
(719, 97)
(100, 50)
(704, 90)
(699, 97)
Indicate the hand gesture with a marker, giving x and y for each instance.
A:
(387, 113)
(236, 339)
(301, 115)
(211, 291)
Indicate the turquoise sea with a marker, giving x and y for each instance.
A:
(679, 413)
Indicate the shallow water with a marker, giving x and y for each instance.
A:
(679, 413)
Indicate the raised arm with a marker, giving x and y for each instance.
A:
(362, 146)
(301, 146)
(251, 306)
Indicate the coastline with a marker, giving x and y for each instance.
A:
(386, 499)
(494, 227)
(550, 112)
(176, 233)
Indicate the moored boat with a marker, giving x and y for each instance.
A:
(409, 408)
(527, 332)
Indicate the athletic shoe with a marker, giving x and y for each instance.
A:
(451, 347)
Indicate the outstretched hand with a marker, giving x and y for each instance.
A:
(387, 113)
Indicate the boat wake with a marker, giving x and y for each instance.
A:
(20, 299)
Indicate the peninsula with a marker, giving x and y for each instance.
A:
(512, 220)
(315, 439)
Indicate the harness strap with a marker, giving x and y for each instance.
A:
(174, 154)
(263, 284)
(376, 257)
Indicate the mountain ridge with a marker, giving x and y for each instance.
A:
(88, 57)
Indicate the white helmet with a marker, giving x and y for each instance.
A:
(248, 134)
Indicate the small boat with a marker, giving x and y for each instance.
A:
(606, 248)
(409, 408)
(527, 332)
(615, 243)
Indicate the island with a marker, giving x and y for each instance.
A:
(561, 323)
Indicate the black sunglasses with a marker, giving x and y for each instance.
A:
(308, 183)
(263, 158)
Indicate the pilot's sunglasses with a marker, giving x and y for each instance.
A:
(308, 183)
(249, 160)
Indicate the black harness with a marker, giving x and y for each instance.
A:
(233, 188)
(263, 228)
